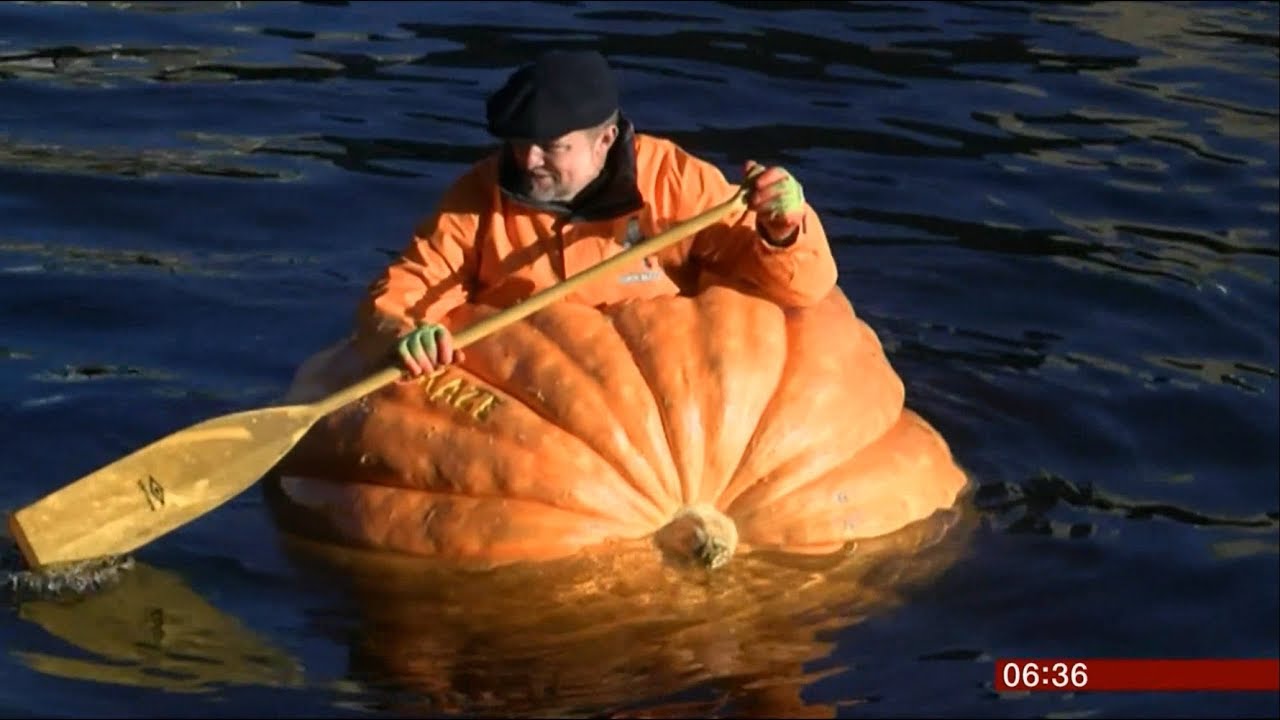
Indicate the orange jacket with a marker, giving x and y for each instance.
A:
(484, 246)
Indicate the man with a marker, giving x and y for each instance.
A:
(573, 185)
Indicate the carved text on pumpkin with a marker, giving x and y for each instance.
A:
(459, 394)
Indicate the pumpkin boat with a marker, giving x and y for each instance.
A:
(714, 423)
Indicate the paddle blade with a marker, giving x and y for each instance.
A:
(151, 491)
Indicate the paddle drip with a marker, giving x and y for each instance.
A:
(701, 534)
(17, 582)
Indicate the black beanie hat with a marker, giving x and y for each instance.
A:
(561, 91)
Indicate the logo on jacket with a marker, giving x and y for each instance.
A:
(629, 239)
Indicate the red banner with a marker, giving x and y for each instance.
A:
(1083, 675)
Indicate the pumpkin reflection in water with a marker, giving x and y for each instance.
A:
(618, 633)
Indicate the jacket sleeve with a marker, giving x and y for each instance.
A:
(797, 274)
(434, 274)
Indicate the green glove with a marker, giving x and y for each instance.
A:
(789, 200)
(419, 347)
(777, 198)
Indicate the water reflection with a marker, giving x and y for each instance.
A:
(621, 632)
(1195, 37)
(152, 630)
(24, 258)
(125, 162)
(159, 6)
(1027, 508)
(1213, 371)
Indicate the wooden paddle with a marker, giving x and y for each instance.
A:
(182, 476)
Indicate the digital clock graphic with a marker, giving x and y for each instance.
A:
(1136, 675)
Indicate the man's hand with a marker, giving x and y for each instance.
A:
(777, 199)
(426, 348)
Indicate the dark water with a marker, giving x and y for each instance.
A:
(1060, 218)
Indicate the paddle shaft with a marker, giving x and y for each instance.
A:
(186, 474)
(541, 299)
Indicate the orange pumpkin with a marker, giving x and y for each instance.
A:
(716, 423)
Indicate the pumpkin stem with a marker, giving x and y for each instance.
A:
(699, 533)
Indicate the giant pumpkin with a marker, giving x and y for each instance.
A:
(714, 423)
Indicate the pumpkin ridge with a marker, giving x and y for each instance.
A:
(732, 489)
(724, 499)
(521, 396)
(745, 325)
(500, 441)
(430, 447)
(585, 510)
(797, 472)
(808, 340)
(706, 346)
(634, 348)
(660, 452)
(703, 398)
(465, 525)
(645, 490)
(871, 494)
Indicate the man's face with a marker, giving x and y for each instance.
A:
(558, 169)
